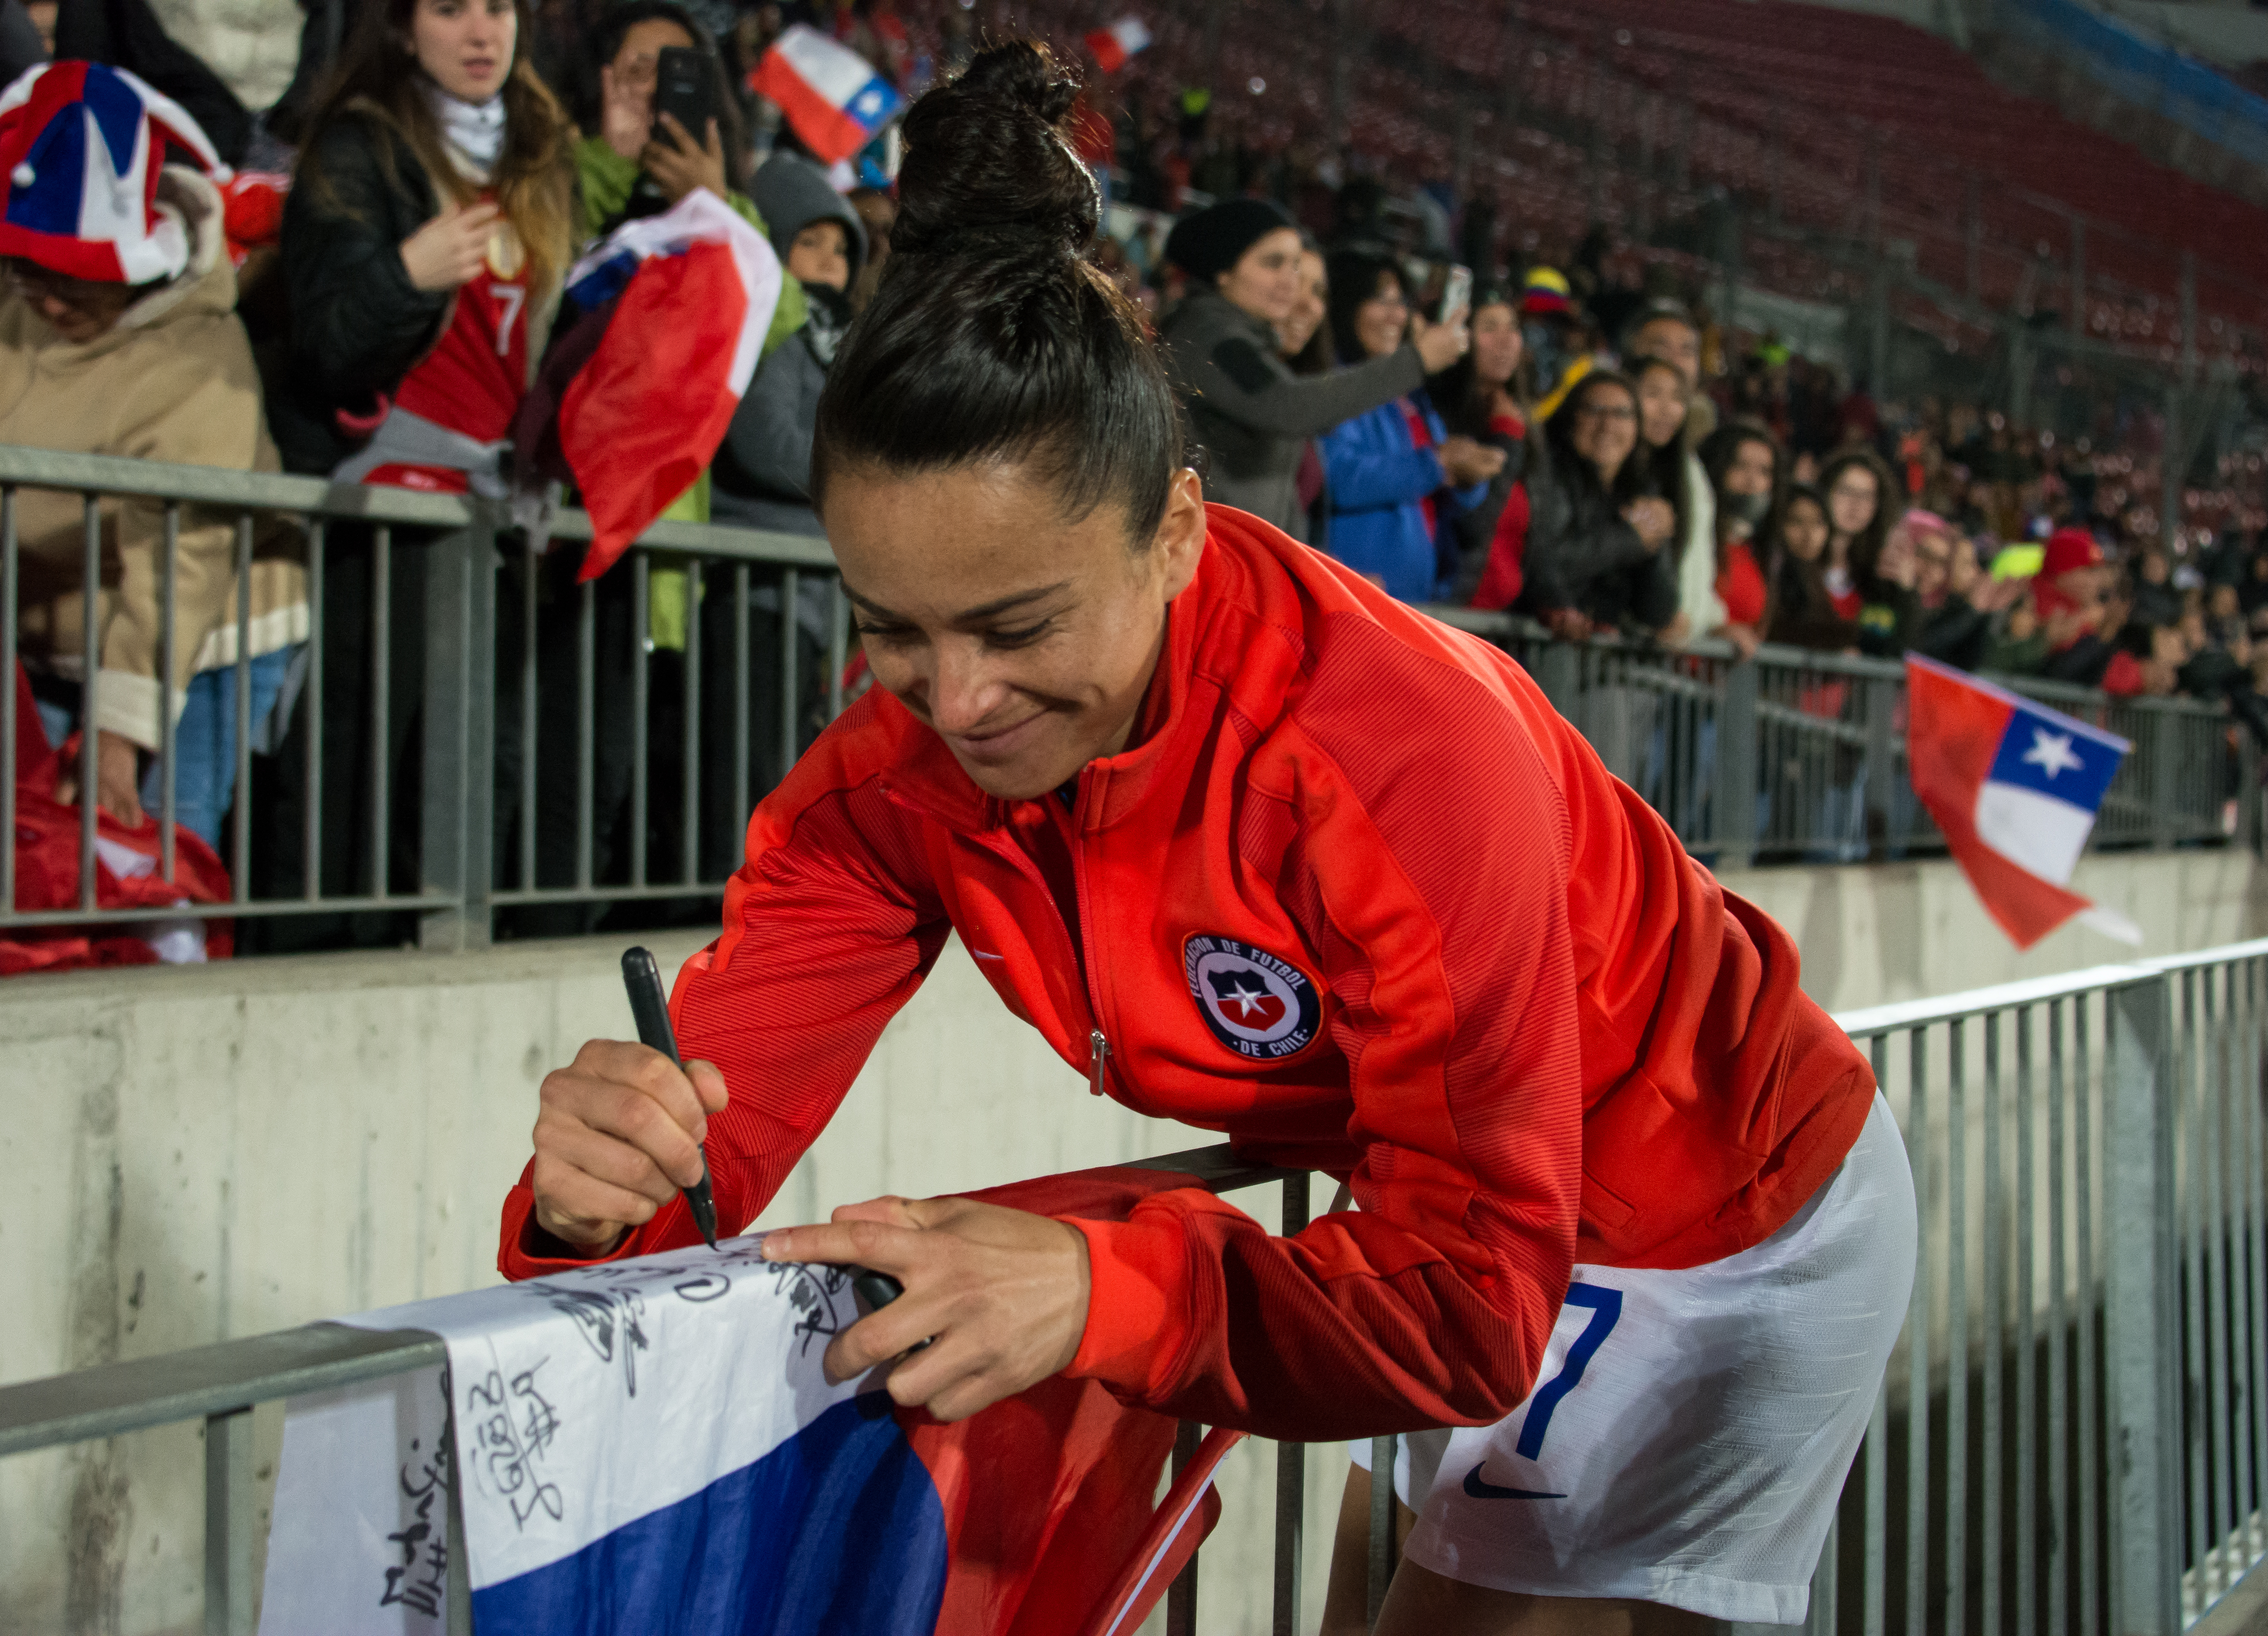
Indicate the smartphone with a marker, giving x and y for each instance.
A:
(685, 84)
(1456, 294)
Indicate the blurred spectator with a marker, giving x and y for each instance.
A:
(119, 336)
(1555, 340)
(2072, 597)
(763, 472)
(423, 242)
(1741, 464)
(126, 33)
(1392, 472)
(1804, 609)
(23, 45)
(2156, 602)
(1955, 603)
(1595, 556)
(1667, 329)
(1304, 340)
(1859, 488)
(1669, 475)
(1474, 397)
(1247, 409)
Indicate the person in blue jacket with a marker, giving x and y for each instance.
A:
(1392, 472)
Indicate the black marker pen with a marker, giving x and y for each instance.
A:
(643, 978)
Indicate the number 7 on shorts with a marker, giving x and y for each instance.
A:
(1606, 1307)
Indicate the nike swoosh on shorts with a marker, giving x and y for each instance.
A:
(1480, 1490)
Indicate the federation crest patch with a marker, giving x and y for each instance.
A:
(1258, 1005)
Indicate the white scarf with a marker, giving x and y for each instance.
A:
(474, 131)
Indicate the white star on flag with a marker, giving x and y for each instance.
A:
(2051, 753)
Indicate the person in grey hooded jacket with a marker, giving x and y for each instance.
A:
(762, 475)
(1247, 409)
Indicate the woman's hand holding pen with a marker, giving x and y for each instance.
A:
(1000, 1294)
(619, 1133)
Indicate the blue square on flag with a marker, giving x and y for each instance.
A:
(2039, 799)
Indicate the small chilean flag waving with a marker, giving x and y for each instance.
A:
(2014, 786)
(830, 94)
(1115, 47)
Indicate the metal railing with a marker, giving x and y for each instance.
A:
(2073, 1433)
(482, 743)
(497, 720)
(1796, 755)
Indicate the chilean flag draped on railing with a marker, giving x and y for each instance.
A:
(692, 292)
(651, 1447)
(2014, 787)
(831, 95)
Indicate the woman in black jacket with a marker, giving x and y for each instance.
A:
(427, 224)
(1594, 555)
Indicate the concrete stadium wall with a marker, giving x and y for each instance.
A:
(192, 1154)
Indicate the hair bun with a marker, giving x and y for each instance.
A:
(989, 167)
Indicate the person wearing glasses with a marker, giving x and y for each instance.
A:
(1595, 558)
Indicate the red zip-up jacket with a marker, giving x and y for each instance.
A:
(1358, 897)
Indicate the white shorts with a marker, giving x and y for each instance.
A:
(1691, 1429)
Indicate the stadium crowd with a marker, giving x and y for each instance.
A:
(364, 280)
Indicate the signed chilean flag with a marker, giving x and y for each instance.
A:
(833, 97)
(650, 1447)
(2014, 787)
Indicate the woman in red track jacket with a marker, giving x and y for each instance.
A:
(1253, 846)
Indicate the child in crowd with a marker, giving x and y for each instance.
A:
(763, 472)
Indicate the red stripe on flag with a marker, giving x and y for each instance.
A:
(1109, 56)
(645, 415)
(827, 131)
(1953, 732)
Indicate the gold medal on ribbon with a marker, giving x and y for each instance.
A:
(506, 254)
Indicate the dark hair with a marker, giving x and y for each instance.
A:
(1717, 452)
(991, 337)
(378, 82)
(1889, 497)
(1354, 276)
(1559, 437)
(614, 28)
(1661, 471)
(1796, 608)
(1465, 405)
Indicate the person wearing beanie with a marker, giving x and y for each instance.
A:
(1246, 407)
(762, 471)
(118, 335)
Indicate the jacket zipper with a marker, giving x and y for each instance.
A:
(1098, 1044)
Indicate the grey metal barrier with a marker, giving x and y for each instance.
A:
(472, 730)
(1794, 755)
(480, 742)
(2073, 1433)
